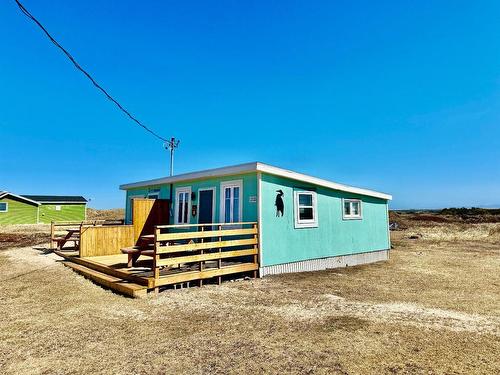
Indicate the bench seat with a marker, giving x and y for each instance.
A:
(134, 252)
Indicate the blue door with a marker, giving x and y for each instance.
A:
(206, 206)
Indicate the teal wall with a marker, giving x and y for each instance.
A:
(283, 243)
(68, 212)
(19, 212)
(249, 189)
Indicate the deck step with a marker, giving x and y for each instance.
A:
(111, 282)
(105, 269)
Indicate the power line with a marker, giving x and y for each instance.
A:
(78, 66)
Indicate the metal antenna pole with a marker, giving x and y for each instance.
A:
(172, 145)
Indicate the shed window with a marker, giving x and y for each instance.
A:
(352, 209)
(154, 193)
(306, 215)
(4, 207)
(58, 208)
(183, 201)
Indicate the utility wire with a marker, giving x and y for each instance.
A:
(78, 66)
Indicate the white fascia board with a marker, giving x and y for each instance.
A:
(61, 202)
(217, 172)
(320, 182)
(6, 193)
(256, 167)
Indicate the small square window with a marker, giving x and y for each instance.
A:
(4, 207)
(305, 209)
(58, 208)
(154, 193)
(352, 209)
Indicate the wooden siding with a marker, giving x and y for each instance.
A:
(68, 212)
(105, 240)
(147, 213)
(19, 212)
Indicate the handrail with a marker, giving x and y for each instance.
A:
(84, 222)
(204, 225)
(174, 249)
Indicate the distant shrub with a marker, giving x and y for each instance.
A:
(473, 211)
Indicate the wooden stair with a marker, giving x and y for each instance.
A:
(106, 270)
(114, 283)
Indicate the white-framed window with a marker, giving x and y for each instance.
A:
(154, 193)
(306, 209)
(182, 205)
(351, 209)
(4, 207)
(231, 201)
(58, 208)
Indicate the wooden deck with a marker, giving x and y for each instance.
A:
(111, 271)
(207, 255)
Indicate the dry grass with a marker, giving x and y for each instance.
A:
(23, 235)
(433, 308)
(112, 214)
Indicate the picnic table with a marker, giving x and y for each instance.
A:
(72, 235)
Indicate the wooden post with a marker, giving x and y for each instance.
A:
(201, 262)
(156, 258)
(256, 247)
(219, 278)
(52, 231)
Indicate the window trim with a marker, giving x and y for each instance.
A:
(57, 207)
(222, 203)
(184, 189)
(6, 207)
(314, 223)
(351, 216)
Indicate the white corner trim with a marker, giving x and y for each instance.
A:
(259, 219)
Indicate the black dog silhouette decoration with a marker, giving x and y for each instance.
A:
(280, 206)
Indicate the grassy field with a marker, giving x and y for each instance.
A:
(433, 308)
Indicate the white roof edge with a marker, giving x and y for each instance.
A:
(55, 202)
(256, 167)
(4, 193)
(320, 182)
(216, 172)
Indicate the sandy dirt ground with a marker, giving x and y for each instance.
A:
(433, 308)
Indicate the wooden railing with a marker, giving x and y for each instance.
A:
(174, 247)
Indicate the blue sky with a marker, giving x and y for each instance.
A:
(401, 97)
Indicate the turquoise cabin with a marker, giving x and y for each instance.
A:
(305, 223)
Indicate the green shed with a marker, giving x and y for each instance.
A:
(37, 209)
(305, 223)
